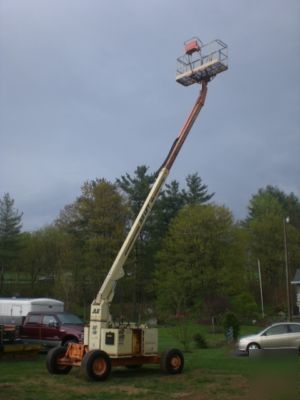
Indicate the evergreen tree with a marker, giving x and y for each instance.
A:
(10, 227)
(136, 188)
(197, 191)
(140, 263)
(169, 203)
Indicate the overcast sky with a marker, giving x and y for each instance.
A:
(87, 89)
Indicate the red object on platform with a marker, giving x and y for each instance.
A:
(192, 46)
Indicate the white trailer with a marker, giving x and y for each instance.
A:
(13, 310)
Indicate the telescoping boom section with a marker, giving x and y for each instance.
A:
(100, 306)
(107, 344)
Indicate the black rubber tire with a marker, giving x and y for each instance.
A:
(51, 361)
(96, 365)
(65, 343)
(256, 347)
(172, 361)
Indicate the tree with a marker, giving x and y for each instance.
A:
(170, 201)
(287, 204)
(10, 228)
(37, 263)
(96, 224)
(197, 191)
(137, 187)
(140, 262)
(198, 259)
(267, 210)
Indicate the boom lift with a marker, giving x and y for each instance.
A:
(107, 344)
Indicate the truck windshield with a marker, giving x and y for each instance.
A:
(66, 318)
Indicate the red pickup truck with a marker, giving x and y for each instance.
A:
(51, 328)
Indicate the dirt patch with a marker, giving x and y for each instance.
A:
(6, 385)
(215, 386)
(189, 396)
(94, 388)
(128, 389)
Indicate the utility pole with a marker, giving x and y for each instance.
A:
(1, 278)
(261, 291)
(286, 220)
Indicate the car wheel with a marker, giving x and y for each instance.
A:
(253, 346)
(172, 361)
(52, 359)
(96, 365)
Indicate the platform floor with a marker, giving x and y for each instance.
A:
(204, 71)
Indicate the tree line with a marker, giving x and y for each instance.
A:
(192, 256)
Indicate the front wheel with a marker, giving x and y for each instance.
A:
(96, 365)
(66, 342)
(253, 346)
(172, 361)
(52, 361)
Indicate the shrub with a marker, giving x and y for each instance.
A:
(245, 307)
(200, 341)
(231, 325)
(183, 332)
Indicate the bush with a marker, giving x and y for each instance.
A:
(231, 326)
(183, 333)
(200, 341)
(245, 307)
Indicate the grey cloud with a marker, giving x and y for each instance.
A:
(87, 90)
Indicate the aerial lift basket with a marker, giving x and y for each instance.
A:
(201, 61)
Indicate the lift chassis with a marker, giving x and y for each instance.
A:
(107, 344)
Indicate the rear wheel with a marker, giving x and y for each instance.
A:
(52, 361)
(96, 365)
(172, 361)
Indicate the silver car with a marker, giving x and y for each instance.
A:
(284, 335)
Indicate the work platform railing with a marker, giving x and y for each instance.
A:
(201, 62)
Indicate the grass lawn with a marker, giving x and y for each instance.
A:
(213, 373)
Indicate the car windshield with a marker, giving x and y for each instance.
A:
(67, 318)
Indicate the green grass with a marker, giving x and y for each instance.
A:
(213, 373)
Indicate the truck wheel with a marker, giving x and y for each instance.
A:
(52, 361)
(96, 365)
(172, 361)
(66, 342)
